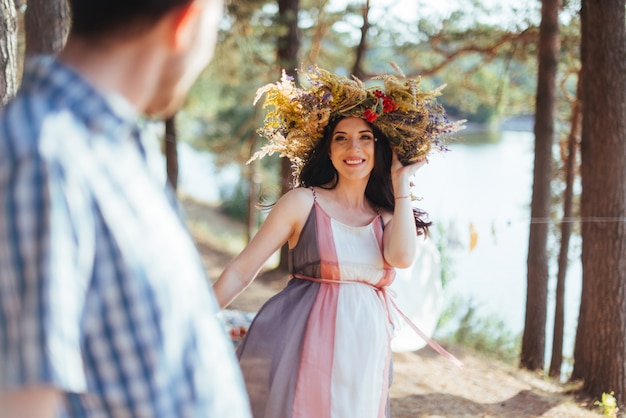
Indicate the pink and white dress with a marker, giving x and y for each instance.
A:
(321, 347)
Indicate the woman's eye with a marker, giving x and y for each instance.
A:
(340, 138)
(367, 138)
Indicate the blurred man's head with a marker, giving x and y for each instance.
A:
(102, 19)
(182, 33)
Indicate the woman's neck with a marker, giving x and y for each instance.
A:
(351, 194)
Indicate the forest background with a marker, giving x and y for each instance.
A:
(561, 62)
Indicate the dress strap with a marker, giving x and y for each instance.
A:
(314, 195)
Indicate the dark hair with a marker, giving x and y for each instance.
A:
(319, 171)
(99, 18)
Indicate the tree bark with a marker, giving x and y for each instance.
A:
(534, 338)
(171, 152)
(8, 50)
(288, 48)
(600, 347)
(566, 231)
(46, 26)
(361, 49)
(254, 188)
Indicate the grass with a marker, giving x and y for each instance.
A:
(461, 323)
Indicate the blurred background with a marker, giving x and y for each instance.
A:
(477, 194)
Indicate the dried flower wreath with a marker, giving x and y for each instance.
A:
(413, 121)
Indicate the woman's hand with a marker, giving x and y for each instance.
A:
(401, 174)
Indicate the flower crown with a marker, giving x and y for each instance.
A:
(413, 121)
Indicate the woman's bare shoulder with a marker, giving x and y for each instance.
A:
(301, 193)
(294, 209)
(297, 199)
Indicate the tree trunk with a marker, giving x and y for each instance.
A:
(600, 348)
(254, 183)
(8, 50)
(254, 187)
(46, 26)
(357, 69)
(566, 231)
(288, 48)
(534, 338)
(320, 30)
(171, 152)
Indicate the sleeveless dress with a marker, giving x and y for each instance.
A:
(320, 348)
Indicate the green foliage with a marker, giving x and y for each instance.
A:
(235, 202)
(219, 115)
(608, 405)
(486, 334)
(489, 69)
(489, 65)
(438, 235)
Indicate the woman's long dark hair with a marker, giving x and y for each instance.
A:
(319, 171)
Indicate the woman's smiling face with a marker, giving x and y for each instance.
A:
(352, 148)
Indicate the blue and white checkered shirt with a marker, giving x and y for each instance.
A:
(102, 292)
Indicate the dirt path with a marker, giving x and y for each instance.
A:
(425, 385)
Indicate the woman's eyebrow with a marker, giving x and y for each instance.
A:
(363, 131)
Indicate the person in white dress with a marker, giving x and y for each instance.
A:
(321, 347)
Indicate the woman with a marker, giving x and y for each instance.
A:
(321, 347)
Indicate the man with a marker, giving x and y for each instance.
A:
(105, 310)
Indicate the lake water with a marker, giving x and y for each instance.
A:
(486, 187)
(482, 185)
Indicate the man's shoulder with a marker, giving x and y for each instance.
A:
(49, 98)
(30, 116)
